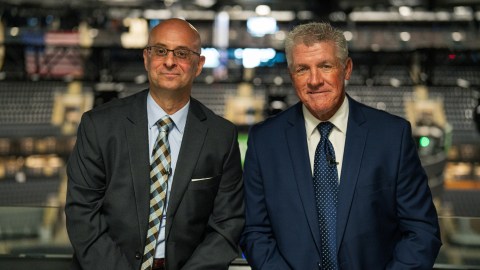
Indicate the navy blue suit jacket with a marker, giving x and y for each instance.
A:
(385, 217)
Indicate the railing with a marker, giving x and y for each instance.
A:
(36, 237)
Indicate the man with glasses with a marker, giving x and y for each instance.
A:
(331, 183)
(155, 179)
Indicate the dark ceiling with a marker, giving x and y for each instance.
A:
(322, 6)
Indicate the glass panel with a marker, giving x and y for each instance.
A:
(39, 232)
(461, 243)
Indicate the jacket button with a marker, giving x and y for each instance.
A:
(138, 256)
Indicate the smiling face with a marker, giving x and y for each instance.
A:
(319, 76)
(169, 74)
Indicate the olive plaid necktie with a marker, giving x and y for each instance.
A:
(325, 182)
(159, 172)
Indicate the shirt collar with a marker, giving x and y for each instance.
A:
(155, 112)
(339, 119)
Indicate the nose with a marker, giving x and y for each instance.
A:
(169, 60)
(315, 78)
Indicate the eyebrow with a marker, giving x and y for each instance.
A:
(165, 46)
(322, 62)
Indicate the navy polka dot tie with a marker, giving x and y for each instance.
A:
(325, 182)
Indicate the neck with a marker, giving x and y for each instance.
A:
(170, 102)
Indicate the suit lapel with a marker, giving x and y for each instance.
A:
(192, 142)
(353, 153)
(301, 165)
(136, 130)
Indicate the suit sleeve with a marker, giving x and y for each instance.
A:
(220, 245)
(86, 226)
(258, 241)
(418, 221)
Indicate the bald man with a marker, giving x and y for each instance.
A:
(113, 169)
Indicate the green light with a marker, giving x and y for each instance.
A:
(424, 141)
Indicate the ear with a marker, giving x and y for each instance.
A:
(201, 62)
(290, 73)
(145, 59)
(348, 68)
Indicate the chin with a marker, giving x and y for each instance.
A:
(320, 112)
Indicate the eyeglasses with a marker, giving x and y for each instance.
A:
(181, 53)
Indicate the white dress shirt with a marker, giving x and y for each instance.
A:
(337, 136)
(175, 137)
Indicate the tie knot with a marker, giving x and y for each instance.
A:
(165, 123)
(324, 128)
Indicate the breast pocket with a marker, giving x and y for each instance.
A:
(200, 196)
(379, 185)
(205, 183)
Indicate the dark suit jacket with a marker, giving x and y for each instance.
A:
(385, 217)
(107, 204)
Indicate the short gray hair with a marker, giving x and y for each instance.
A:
(315, 32)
